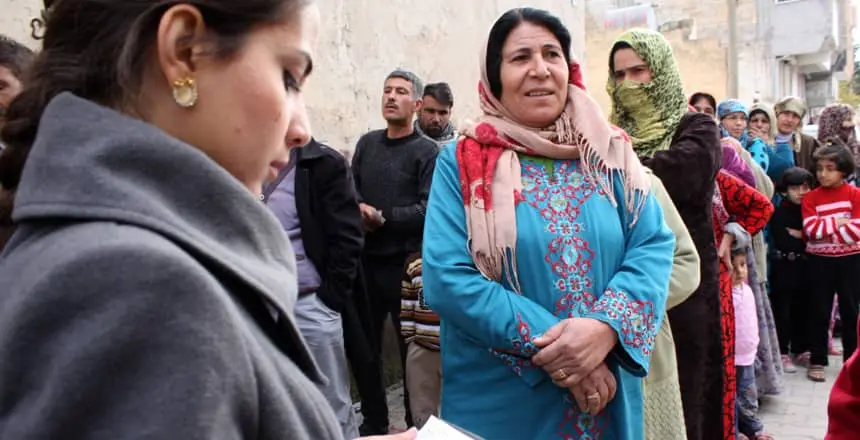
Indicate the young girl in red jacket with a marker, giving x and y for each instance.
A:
(831, 224)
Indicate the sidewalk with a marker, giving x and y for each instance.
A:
(801, 412)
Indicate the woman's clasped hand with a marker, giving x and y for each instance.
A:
(573, 353)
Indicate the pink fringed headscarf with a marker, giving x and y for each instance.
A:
(490, 168)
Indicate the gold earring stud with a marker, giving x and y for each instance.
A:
(185, 92)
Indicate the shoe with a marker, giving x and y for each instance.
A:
(367, 430)
(802, 360)
(788, 365)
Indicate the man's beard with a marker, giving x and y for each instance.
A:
(433, 131)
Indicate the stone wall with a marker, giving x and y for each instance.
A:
(362, 41)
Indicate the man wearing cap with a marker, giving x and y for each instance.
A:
(791, 146)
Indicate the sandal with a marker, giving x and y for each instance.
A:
(816, 373)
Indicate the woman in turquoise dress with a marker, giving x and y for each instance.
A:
(544, 253)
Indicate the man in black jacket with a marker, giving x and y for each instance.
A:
(315, 202)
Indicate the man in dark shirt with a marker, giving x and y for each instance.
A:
(392, 169)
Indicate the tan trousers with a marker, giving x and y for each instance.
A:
(424, 382)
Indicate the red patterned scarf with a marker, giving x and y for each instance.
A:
(490, 168)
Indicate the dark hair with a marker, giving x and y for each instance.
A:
(14, 56)
(417, 85)
(505, 25)
(794, 176)
(835, 150)
(698, 96)
(739, 251)
(441, 92)
(758, 110)
(97, 49)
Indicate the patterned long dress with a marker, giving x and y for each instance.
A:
(577, 256)
(752, 210)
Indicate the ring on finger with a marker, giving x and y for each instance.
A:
(560, 374)
(593, 402)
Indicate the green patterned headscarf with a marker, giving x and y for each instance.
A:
(649, 113)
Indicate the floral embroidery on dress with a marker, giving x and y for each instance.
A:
(522, 346)
(578, 425)
(636, 317)
(558, 196)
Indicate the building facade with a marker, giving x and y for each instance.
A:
(783, 47)
(813, 48)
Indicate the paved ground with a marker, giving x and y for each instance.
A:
(801, 413)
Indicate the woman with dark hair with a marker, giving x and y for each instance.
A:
(683, 149)
(147, 292)
(704, 103)
(545, 254)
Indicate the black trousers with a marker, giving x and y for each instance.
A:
(834, 275)
(366, 368)
(383, 276)
(791, 297)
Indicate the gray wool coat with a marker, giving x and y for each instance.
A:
(146, 294)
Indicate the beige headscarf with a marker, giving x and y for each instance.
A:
(794, 105)
(490, 168)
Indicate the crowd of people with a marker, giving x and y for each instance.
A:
(181, 258)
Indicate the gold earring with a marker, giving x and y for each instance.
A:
(185, 92)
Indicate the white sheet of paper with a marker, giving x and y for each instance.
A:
(436, 429)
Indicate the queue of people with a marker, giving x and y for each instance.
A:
(186, 260)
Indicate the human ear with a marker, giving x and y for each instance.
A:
(180, 42)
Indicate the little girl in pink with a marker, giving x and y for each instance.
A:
(746, 346)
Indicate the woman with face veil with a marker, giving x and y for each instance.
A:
(683, 149)
(545, 254)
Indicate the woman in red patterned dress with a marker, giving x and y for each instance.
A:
(735, 202)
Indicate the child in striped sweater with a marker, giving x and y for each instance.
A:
(419, 327)
(831, 224)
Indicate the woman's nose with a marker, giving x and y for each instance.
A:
(299, 131)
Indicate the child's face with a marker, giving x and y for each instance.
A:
(796, 192)
(828, 173)
(740, 272)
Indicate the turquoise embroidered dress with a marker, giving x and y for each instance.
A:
(577, 256)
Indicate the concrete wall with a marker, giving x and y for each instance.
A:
(363, 40)
(804, 26)
(15, 16)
